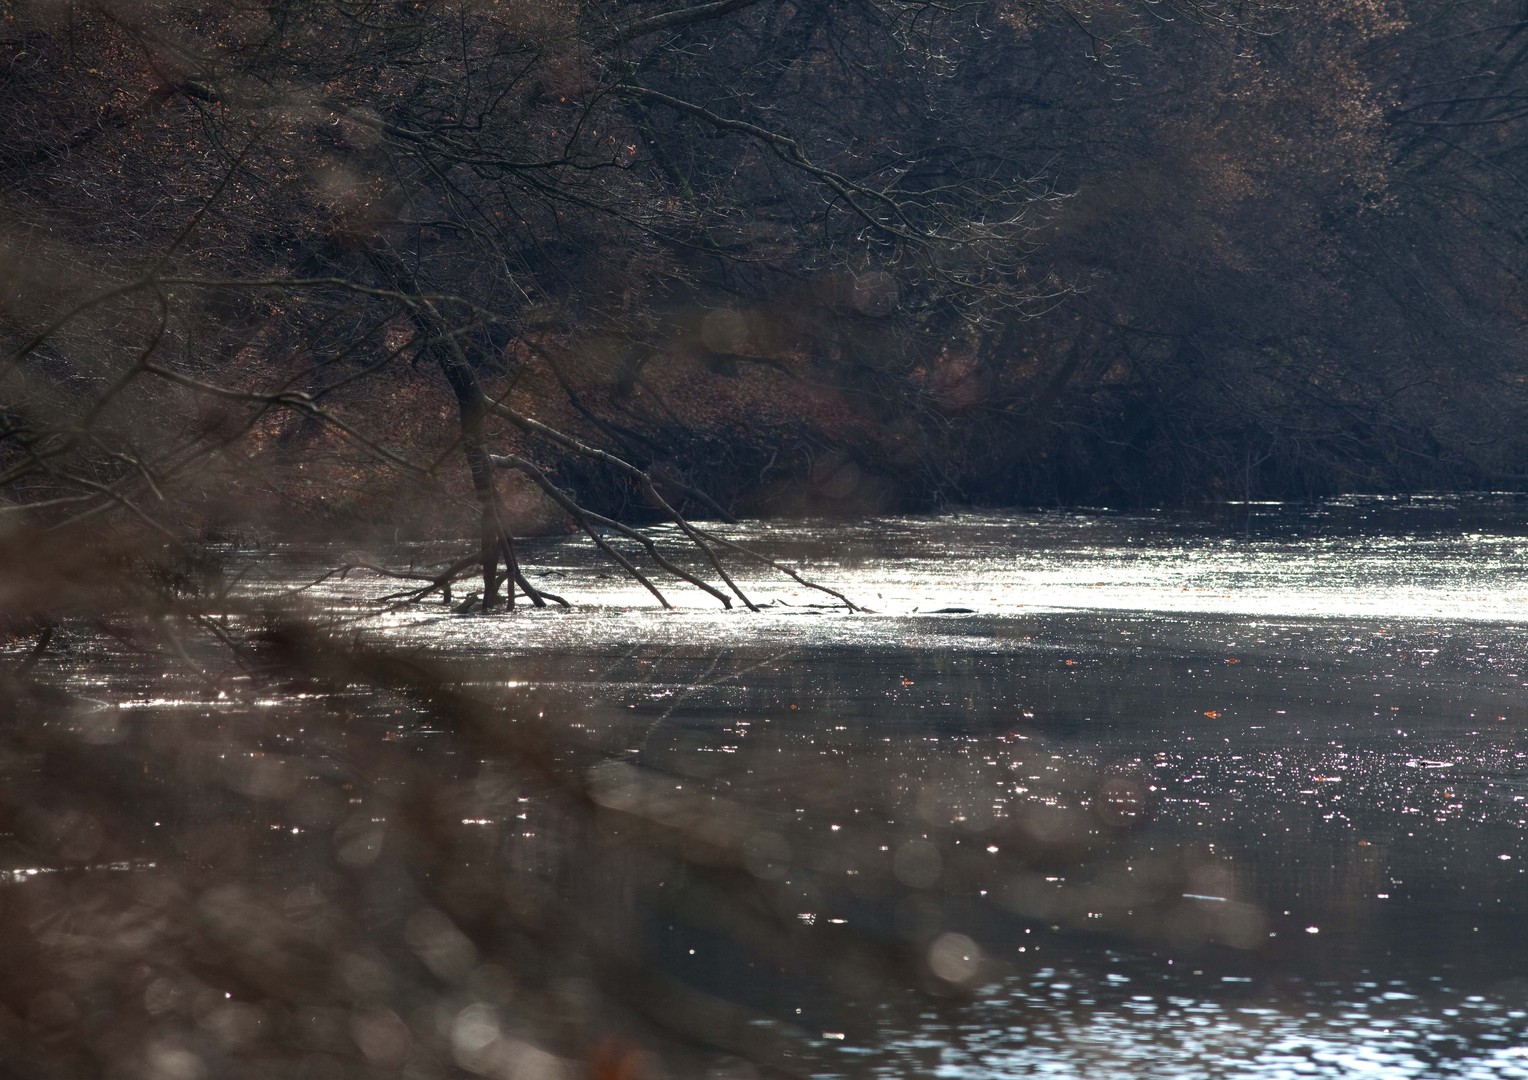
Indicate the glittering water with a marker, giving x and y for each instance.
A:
(1323, 708)
(1354, 559)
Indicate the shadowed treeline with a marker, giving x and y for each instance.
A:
(751, 257)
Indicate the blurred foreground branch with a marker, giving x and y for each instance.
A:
(253, 844)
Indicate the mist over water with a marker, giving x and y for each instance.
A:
(1325, 705)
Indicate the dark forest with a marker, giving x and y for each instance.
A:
(774, 257)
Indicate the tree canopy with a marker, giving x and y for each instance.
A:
(637, 259)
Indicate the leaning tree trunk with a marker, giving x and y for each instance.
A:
(444, 346)
(446, 350)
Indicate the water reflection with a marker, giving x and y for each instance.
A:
(1172, 798)
(1064, 1023)
(1326, 712)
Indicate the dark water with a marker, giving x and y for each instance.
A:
(1323, 710)
(1307, 725)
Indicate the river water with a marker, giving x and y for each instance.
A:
(1318, 715)
(1126, 795)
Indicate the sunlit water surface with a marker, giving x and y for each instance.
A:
(1329, 700)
